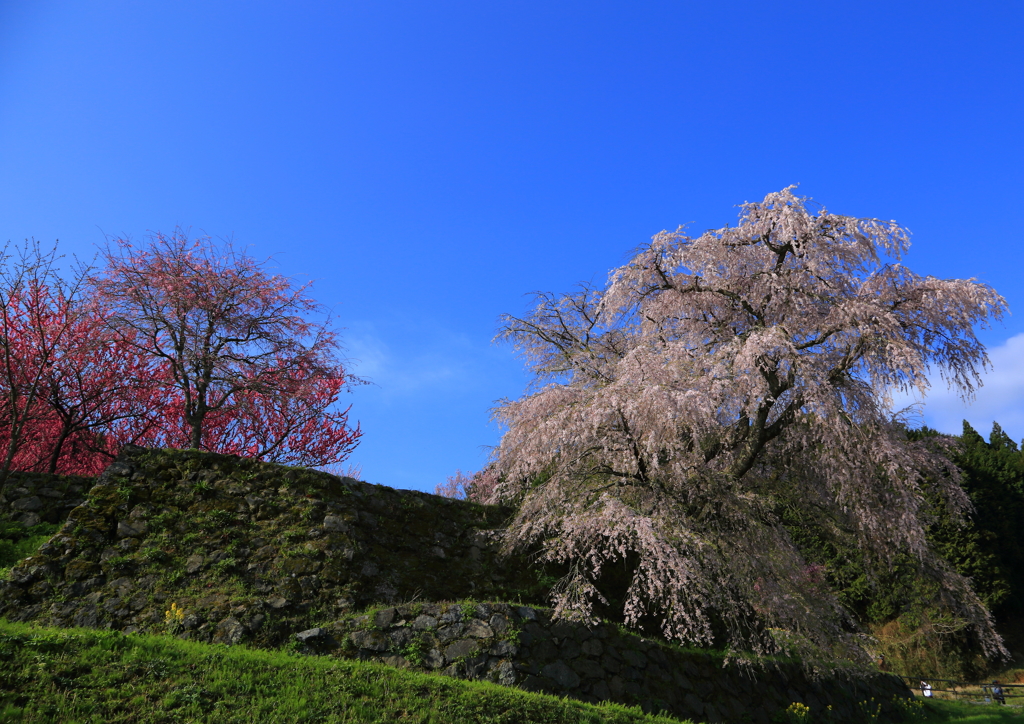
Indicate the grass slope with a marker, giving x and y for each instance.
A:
(939, 712)
(18, 542)
(86, 675)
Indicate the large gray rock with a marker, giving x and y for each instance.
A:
(229, 631)
(503, 648)
(498, 624)
(527, 613)
(635, 658)
(384, 617)
(319, 639)
(131, 529)
(311, 634)
(334, 524)
(506, 673)
(433, 659)
(460, 649)
(561, 674)
(424, 623)
(479, 630)
(588, 668)
(29, 520)
(370, 640)
(27, 505)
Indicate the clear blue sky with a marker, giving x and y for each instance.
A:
(429, 163)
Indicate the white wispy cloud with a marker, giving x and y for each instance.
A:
(402, 368)
(1000, 398)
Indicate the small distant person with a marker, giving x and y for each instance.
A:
(997, 692)
(926, 689)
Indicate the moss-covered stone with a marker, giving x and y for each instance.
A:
(80, 568)
(275, 549)
(221, 549)
(33, 498)
(524, 646)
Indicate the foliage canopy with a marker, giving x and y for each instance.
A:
(716, 380)
(174, 342)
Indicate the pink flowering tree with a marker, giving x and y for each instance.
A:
(246, 369)
(712, 382)
(477, 487)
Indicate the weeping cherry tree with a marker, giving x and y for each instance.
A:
(711, 383)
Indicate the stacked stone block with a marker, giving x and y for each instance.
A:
(34, 498)
(523, 646)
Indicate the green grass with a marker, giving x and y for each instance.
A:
(17, 542)
(938, 711)
(86, 675)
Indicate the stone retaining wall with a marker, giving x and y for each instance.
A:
(252, 553)
(33, 498)
(521, 646)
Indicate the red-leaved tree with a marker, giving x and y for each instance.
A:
(28, 341)
(98, 393)
(301, 425)
(67, 382)
(714, 382)
(243, 366)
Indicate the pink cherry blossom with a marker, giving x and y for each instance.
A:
(716, 379)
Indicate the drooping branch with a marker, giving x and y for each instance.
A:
(716, 377)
